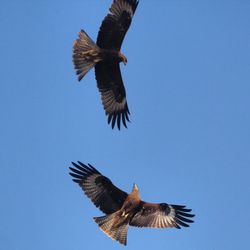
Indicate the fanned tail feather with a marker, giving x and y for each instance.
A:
(112, 227)
(85, 54)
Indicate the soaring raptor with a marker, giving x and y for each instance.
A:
(105, 56)
(124, 209)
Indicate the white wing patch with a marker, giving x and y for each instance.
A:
(118, 7)
(110, 104)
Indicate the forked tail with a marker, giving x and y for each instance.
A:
(113, 227)
(85, 54)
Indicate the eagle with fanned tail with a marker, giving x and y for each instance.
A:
(105, 56)
(123, 209)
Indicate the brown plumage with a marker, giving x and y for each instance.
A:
(105, 56)
(124, 209)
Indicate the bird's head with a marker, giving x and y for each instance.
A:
(123, 58)
(135, 188)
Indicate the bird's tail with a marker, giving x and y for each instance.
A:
(85, 54)
(114, 226)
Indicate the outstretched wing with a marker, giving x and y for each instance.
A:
(161, 215)
(113, 94)
(98, 188)
(116, 23)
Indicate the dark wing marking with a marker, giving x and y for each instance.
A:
(113, 94)
(161, 215)
(98, 188)
(116, 24)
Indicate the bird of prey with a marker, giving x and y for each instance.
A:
(105, 56)
(123, 209)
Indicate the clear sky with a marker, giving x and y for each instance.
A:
(187, 82)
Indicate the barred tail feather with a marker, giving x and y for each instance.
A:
(85, 54)
(110, 225)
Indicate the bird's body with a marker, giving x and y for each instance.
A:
(123, 210)
(105, 56)
(132, 202)
(116, 224)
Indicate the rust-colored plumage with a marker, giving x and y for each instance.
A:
(105, 56)
(124, 209)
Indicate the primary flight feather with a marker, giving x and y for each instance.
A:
(105, 56)
(123, 209)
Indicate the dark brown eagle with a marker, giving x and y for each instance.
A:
(124, 209)
(105, 56)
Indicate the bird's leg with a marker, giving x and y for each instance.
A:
(123, 213)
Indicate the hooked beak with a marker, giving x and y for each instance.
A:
(125, 61)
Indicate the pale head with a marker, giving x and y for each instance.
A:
(135, 191)
(123, 58)
(135, 188)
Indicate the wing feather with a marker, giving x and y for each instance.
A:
(161, 215)
(113, 94)
(116, 23)
(102, 192)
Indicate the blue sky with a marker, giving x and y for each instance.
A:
(187, 82)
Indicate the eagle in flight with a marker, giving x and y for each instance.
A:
(123, 209)
(105, 56)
